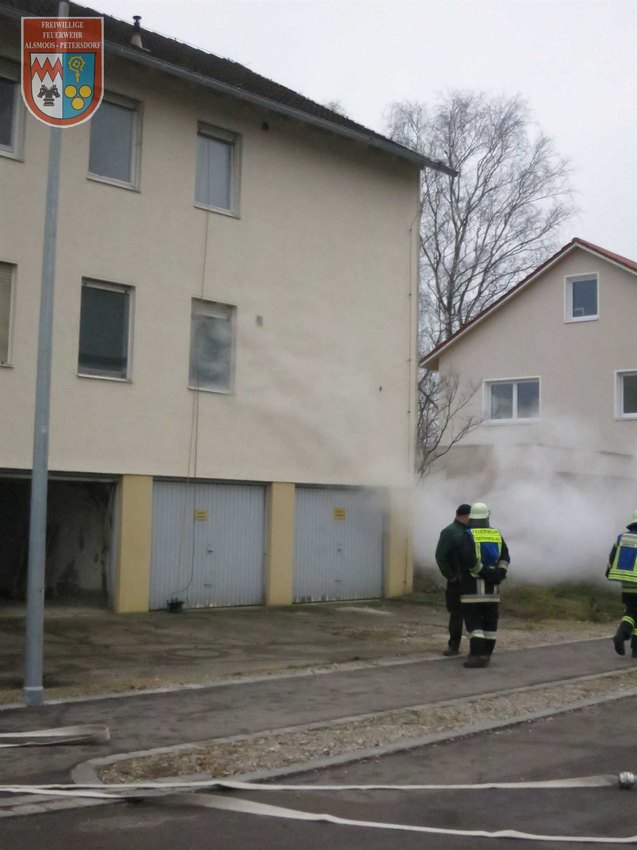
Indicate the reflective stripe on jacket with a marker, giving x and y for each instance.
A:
(624, 564)
(482, 592)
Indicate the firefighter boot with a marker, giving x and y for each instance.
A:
(476, 661)
(477, 656)
(451, 651)
(620, 637)
(489, 646)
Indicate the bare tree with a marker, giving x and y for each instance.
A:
(483, 230)
(441, 403)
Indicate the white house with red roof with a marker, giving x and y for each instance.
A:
(553, 367)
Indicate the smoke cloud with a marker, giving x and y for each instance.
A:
(559, 506)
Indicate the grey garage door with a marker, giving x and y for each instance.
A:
(339, 544)
(208, 544)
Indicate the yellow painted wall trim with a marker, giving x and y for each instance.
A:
(399, 556)
(279, 570)
(134, 535)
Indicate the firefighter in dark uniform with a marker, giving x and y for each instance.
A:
(450, 538)
(483, 563)
(622, 566)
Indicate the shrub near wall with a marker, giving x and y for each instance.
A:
(586, 601)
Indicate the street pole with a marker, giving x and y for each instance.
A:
(34, 639)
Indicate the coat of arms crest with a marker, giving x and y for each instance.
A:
(62, 68)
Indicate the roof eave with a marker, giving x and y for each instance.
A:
(142, 58)
(431, 360)
(134, 55)
(432, 363)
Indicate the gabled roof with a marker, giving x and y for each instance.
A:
(430, 360)
(223, 75)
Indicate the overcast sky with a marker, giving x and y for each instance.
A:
(575, 62)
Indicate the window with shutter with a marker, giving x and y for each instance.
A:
(6, 297)
(11, 110)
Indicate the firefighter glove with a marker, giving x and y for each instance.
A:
(501, 570)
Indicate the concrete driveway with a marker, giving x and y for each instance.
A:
(92, 651)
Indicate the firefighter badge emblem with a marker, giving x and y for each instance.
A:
(62, 68)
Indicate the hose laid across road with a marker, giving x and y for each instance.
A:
(121, 791)
(86, 734)
(181, 792)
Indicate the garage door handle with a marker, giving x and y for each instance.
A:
(210, 549)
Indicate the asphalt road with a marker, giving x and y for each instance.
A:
(595, 740)
(160, 720)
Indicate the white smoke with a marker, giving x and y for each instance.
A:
(559, 506)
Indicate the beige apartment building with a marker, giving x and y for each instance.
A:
(233, 378)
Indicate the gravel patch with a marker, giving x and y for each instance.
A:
(276, 750)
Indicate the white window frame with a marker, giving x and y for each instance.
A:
(136, 145)
(124, 289)
(216, 309)
(233, 139)
(7, 364)
(620, 374)
(569, 280)
(515, 420)
(15, 149)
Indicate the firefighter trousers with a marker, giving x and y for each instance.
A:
(481, 623)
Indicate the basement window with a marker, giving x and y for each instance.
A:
(514, 400)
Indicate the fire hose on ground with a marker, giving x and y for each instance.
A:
(181, 793)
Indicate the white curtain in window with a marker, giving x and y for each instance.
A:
(214, 172)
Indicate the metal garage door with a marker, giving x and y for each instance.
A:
(208, 544)
(339, 544)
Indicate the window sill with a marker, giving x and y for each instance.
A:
(104, 378)
(219, 210)
(111, 181)
(209, 390)
(492, 422)
(6, 365)
(9, 154)
(626, 417)
(575, 320)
